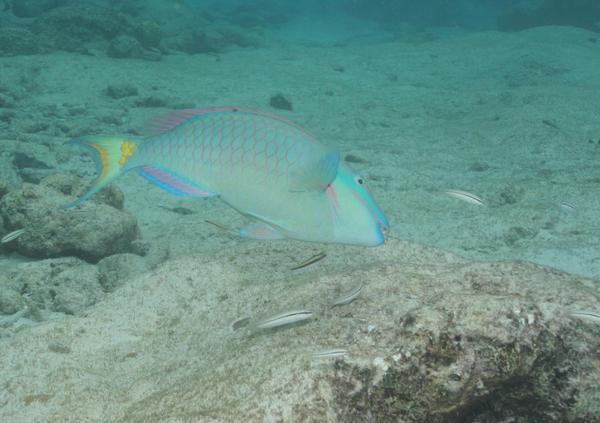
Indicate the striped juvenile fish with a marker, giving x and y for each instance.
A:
(11, 236)
(264, 166)
(586, 315)
(335, 353)
(465, 196)
(567, 206)
(348, 297)
(309, 261)
(283, 319)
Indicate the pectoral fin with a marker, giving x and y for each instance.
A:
(317, 175)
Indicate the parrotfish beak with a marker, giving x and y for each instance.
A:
(378, 215)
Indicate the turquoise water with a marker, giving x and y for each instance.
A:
(474, 125)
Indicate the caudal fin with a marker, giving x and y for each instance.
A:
(111, 155)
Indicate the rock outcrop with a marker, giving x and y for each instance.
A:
(99, 228)
(432, 338)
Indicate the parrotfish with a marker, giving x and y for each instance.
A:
(267, 168)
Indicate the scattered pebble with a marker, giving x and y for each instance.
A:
(151, 101)
(122, 90)
(380, 362)
(278, 101)
(179, 210)
(351, 158)
(124, 46)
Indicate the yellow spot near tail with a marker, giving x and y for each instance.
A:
(127, 150)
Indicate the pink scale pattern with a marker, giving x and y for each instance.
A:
(261, 144)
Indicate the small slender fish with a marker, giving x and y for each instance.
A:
(334, 353)
(567, 206)
(13, 235)
(550, 124)
(283, 319)
(309, 261)
(586, 315)
(218, 225)
(348, 297)
(465, 196)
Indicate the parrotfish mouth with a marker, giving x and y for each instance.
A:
(376, 213)
(380, 220)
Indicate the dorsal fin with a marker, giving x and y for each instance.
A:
(163, 123)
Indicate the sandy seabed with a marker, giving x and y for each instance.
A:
(511, 118)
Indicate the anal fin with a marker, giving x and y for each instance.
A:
(316, 176)
(173, 183)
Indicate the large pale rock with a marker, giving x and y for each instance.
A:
(95, 231)
(432, 338)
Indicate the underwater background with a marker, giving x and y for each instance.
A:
(476, 125)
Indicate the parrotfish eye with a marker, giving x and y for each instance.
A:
(359, 180)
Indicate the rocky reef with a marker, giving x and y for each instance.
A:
(58, 261)
(99, 229)
(63, 260)
(123, 30)
(432, 338)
